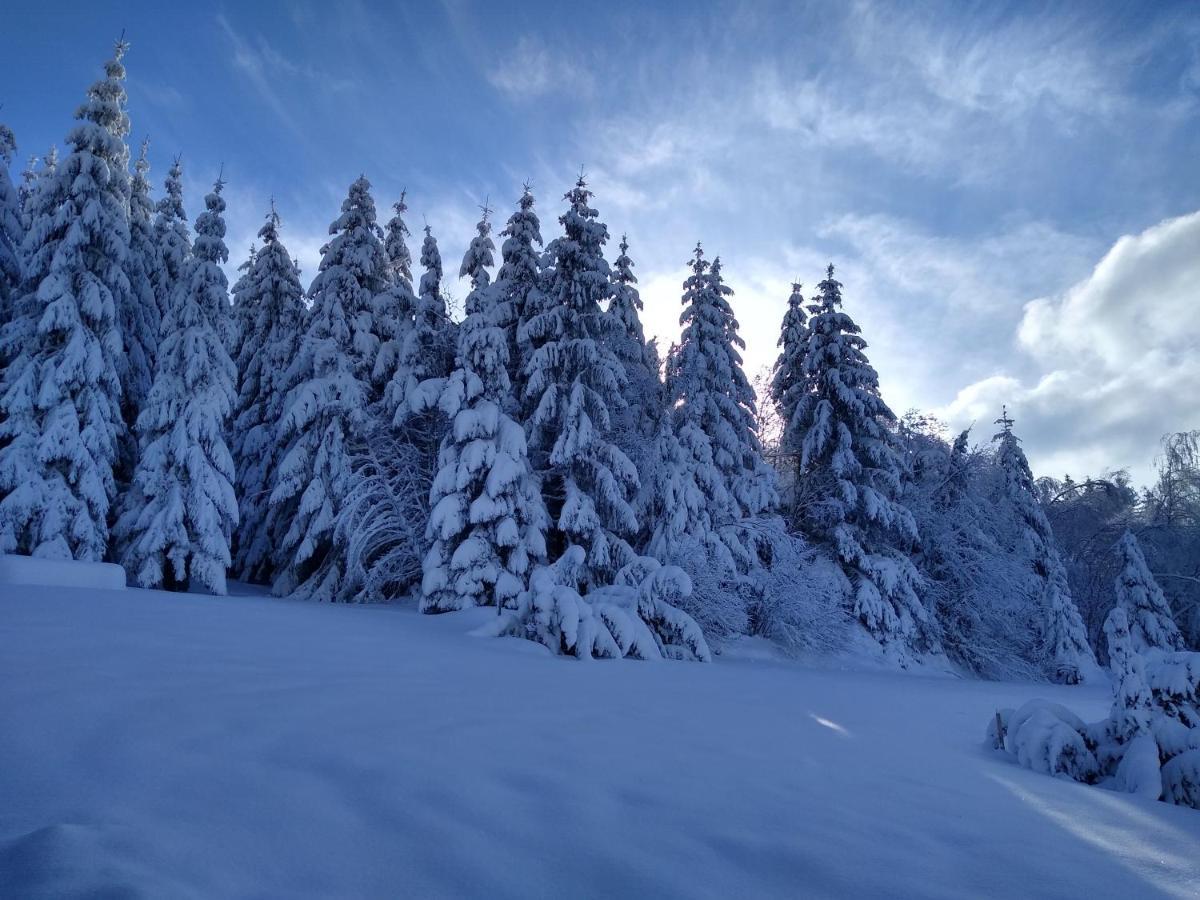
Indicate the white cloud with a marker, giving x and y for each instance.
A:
(531, 69)
(1116, 358)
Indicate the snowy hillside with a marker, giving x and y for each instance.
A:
(173, 745)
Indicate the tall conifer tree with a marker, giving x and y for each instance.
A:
(326, 409)
(487, 518)
(172, 239)
(517, 288)
(427, 353)
(1150, 623)
(394, 307)
(140, 319)
(178, 531)
(573, 381)
(1069, 656)
(274, 314)
(61, 395)
(851, 469)
(788, 384)
(12, 231)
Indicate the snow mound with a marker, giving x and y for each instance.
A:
(29, 570)
(69, 860)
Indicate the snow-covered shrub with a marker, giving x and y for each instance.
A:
(1181, 777)
(1150, 743)
(634, 617)
(1050, 739)
(1174, 680)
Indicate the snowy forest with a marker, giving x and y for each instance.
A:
(350, 436)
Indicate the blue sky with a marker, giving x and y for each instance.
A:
(1011, 194)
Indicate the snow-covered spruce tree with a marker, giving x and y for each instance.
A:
(634, 426)
(851, 467)
(1132, 702)
(32, 180)
(326, 410)
(242, 313)
(60, 400)
(714, 414)
(356, 249)
(517, 289)
(974, 586)
(12, 231)
(25, 191)
(754, 484)
(1151, 625)
(139, 317)
(394, 306)
(273, 304)
(172, 239)
(684, 502)
(177, 532)
(487, 518)
(788, 384)
(427, 351)
(1068, 656)
(576, 380)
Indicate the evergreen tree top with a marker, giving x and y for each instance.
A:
(626, 301)
(1010, 455)
(269, 233)
(579, 252)
(105, 107)
(170, 205)
(959, 448)
(794, 319)
(142, 166)
(28, 175)
(835, 347)
(1006, 423)
(431, 261)
(357, 244)
(210, 228)
(623, 266)
(479, 255)
(395, 243)
(523, 225)
(140, 207)
(522, 233)
(8, 145)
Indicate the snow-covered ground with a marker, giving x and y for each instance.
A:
(189, 746)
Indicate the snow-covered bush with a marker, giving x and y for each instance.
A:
(1150, 743)
(634, 617)
(1050, 739)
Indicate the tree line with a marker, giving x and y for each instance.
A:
(351, 441)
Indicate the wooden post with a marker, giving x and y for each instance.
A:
(999, 732)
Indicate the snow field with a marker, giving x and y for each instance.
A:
(187, 746)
